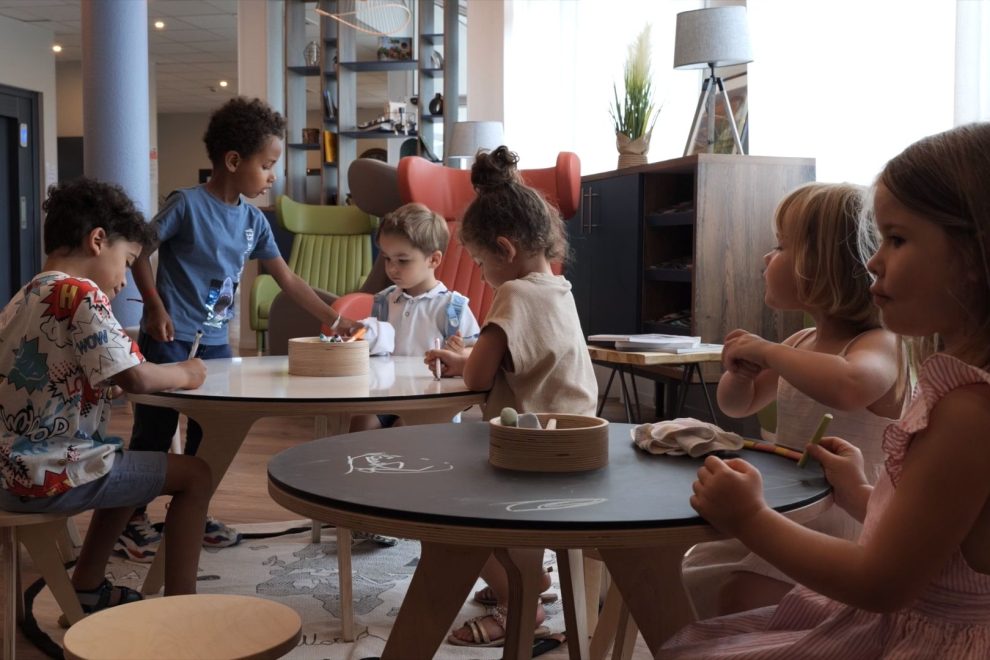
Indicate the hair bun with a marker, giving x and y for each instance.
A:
(494, 169)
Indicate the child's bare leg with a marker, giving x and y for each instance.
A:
(188, 481)
(104, 528)
(744, 590)
(494, 574)
(364, 423)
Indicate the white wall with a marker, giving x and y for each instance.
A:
(27, 62)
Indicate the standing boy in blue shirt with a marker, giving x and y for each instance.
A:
(206, 236)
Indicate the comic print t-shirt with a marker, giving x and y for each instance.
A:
(59, 344)
(204, 245)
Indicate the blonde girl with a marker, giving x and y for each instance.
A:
(917, 585)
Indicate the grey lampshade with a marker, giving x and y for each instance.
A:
(469, 136)
(718, 36)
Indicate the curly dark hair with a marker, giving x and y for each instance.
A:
(505, 206)
(241, 125)
(75, 208)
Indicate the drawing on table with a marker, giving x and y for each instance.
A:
(552, 505)
(379, 462)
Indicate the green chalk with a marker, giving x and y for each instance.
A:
(815, 439)
(509, 417)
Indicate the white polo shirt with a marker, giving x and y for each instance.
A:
(415, 322)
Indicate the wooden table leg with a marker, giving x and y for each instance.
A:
(223, 435)
(442, 581)
(523, 567)
(649, 580)
(572, 586)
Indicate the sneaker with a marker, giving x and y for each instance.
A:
(139, 540)
(218, 535)
(377, 539)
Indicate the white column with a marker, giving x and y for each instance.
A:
(115, 109)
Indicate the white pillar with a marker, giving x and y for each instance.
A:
(115, 109)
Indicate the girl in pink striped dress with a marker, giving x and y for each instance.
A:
(917, 583)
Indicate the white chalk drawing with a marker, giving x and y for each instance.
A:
(554, 505)
(379, 462)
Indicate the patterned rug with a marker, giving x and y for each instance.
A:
(279, 562)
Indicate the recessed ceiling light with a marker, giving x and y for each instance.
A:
(57, 48)
(223, 83)
(160, 25)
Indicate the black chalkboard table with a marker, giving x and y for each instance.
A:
(434, 483)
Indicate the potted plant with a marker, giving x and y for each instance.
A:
(636, 114)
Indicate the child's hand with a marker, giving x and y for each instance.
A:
(843, 465)
(451, 363)
(454, 343)
(158, 324)
(345, 328)
(743, 347)
(195, 370)
(115, 392)
(728, 493)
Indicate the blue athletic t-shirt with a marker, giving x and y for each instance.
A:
(203, 246)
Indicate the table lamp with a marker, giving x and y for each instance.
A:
(469, 136)
(705, 39)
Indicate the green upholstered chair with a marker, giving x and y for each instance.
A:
(331, 251)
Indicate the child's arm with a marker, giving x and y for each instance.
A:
(148, 377)
(745, 387)
(845, 382)
(157, 322)
(936, 508)
(480, 364)
(304, 296)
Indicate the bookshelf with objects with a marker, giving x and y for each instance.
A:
(676, 247)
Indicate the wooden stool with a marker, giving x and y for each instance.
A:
(219, 626)
(614, 628)
(40, 533)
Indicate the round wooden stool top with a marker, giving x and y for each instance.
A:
(10, 519)
(223, 627)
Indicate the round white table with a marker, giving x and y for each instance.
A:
(239, 391)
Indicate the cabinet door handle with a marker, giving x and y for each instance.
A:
(591, 196)
(585, 202)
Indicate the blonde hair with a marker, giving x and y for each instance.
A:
(426, 230)
(944, 178)
(822, 222)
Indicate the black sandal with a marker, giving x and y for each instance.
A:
(106, 595)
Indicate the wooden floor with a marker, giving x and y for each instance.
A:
(243, 495)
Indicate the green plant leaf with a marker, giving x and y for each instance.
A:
(635, 115)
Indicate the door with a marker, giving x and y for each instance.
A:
(20, 189)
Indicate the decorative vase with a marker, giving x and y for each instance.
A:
(632, 152)
(311, 54)
(436, 104)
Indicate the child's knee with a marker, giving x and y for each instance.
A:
(189, 474)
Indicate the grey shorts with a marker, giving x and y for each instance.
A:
(136, 478)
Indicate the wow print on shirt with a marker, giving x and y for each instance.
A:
(220, 302)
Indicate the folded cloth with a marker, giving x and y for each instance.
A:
(684, 435)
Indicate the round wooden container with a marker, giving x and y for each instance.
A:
(578, 443)
(308, 356)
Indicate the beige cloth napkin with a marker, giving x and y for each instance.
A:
(685, 435)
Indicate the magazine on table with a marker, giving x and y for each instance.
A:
(650, 341)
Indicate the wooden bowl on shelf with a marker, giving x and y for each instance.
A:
(579, 443)
(308, 356)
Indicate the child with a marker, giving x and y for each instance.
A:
(62, 356)
(206, 235)
(918, 582)
(846, 365)
(531, 352)
(409, 316)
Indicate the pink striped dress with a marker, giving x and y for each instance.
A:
(950, 619)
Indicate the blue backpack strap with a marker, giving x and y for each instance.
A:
(455, 309)
(379, 305)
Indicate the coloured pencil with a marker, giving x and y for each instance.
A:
(815, 439)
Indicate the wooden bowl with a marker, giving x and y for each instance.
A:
(308, 356)
(578, 443)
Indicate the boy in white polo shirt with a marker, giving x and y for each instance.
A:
(411, 315)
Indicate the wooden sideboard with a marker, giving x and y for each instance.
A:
(677, 246)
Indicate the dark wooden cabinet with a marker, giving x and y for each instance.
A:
(678, 246)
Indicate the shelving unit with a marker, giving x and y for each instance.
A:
(677, 247)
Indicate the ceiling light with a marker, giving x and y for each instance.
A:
(160, 25)
(57, 48)
(223, 83)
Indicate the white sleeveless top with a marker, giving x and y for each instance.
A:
(707, 565)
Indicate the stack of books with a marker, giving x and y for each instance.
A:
(655, 342)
